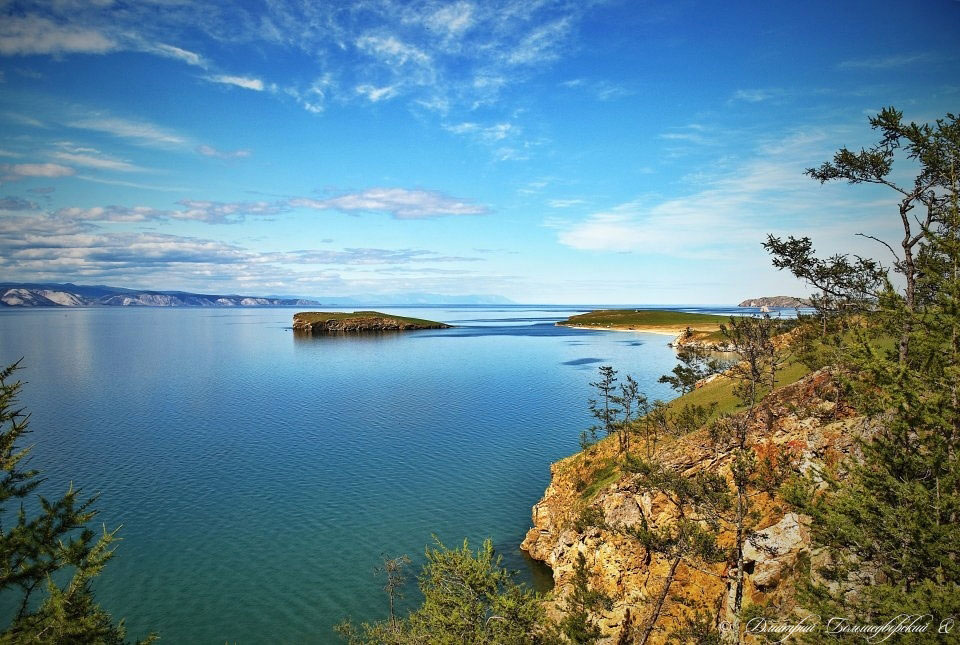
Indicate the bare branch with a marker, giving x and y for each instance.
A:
(877, 239)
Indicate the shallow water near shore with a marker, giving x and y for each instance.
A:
(259, 475)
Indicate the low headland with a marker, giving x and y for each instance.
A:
(688, 328)
(359, 321)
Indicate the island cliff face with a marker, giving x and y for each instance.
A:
(358, 321)
(566, 521)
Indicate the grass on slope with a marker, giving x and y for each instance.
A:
(719, 391)
(644, 318)
(319, 316)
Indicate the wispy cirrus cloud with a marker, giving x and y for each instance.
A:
(138, 132)
(565, 203)
(730, 214)
(245, 82)
(134, 184)
(210, 151)
(94, 159)
(401, 203)
(886, 62)
(377, 94)
(449, 59)
(31, 35)
(758, 95)
(191, 210)
(177, 53)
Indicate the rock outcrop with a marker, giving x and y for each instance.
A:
(805, 419)
(785, 302)
(359, 321)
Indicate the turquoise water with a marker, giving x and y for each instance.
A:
(259, 476)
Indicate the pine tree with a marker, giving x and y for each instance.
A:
(604, 409)
(751, 338)
(37, 552)
(696, 364)
(577, 625)
(891, 525)
(697, 503)
(469, 598)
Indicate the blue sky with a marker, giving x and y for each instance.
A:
(543, 150)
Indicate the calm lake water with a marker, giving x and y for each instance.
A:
(259, 476)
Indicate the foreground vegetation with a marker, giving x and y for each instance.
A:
(49, 558)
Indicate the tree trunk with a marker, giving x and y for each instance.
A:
(910, 274)
(655, 615)
(738, 583)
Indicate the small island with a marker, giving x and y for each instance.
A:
(358, 321)
(656, 321)
(779, 302)
(689, 329)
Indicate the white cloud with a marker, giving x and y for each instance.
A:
(565, 203)
(23, 119)
(40, 247)
(96, 161)
(733, 212)
(140, 132)
(133, 184)
(401, 203)
(192, 210)
(601, 90)
(169, 51)
(488, 134)
(756, 95)
(886, 62)
(393, 51)
(246, 82)
(453, 19)
(210, 151)
(35, 170)
(314, 98)
(34, 35)
(375, 94)
(541, 45)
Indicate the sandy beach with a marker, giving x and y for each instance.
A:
(668, 330)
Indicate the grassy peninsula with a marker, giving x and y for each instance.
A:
(649, 320)
(327, 321)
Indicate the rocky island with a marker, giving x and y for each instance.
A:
(316, 322)
(784, 302)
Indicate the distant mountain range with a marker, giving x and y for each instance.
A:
(76, 295)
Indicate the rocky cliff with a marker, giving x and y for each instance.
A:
(575, 517)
